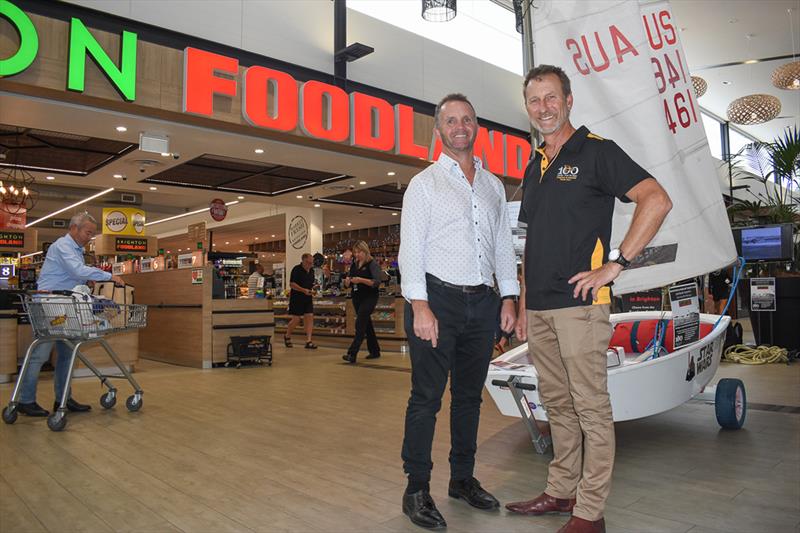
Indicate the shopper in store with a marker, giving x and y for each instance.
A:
(63, 269)
(455, 239)
(256, 281)
(364, 278)
(568, 201)
(301, 303)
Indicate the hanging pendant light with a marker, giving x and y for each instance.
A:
(787, 76)
(754, 109)
(438, 10)
(700, 86)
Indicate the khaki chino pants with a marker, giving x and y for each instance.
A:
(569, 351)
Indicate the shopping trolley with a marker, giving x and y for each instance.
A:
(77, 319)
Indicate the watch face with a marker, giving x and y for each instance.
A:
(614, 254)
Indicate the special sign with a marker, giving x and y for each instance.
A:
(298, 232)
(123, 221)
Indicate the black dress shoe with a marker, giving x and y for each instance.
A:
(349, 358)
(32, 409)
(419, 507)
(470, 490)
(373, 356)
(73, 406)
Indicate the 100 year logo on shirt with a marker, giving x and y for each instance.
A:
(567, 173)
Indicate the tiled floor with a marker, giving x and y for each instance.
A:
(311, 444)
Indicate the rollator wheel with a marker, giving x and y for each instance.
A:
(133, 403)
(10, 414)
(108, 400)
(57, 421)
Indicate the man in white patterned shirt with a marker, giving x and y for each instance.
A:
(455, 240)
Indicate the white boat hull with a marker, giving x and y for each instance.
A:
(636, 390)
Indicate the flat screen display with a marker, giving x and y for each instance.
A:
(765, 243)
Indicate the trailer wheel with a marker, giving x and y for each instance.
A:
(730, 403)
(57, 421)
(10, 414)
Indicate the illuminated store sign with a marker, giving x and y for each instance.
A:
(12, 239)
(130, 244)
(271, 99)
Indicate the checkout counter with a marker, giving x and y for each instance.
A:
(186, 325)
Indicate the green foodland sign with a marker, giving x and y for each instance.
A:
(81, 45)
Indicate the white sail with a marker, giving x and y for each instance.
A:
(631, 83)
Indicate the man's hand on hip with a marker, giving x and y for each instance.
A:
(594, 280)
(426, 327)
(508, 315)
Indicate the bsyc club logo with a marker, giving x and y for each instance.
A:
(567, 173)
(116, 221)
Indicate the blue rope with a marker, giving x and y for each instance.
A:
(737, 272)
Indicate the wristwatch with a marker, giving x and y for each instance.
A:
(615, 256)
(513, 297)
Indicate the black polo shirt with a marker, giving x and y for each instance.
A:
(567, 205)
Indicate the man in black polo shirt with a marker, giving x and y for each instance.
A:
(301, 304)
(568, 202)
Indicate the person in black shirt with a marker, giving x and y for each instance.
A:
(365, 277)
(569, 191)
(301, 304)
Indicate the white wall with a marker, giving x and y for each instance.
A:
(301, 32)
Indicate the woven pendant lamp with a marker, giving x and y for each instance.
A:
(753, 109)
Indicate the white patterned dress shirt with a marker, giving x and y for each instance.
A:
(456, 232)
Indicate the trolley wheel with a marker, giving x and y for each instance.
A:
(134, 402)
(57, 421)
(108, 400)
(10, 414)
(730, 403)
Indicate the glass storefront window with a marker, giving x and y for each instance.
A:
(739, 141)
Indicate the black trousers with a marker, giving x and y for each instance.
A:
(364, 306)
(464, 349)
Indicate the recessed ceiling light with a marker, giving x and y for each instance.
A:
(122, 129)
(118, 176)
(726, 82)
(240, 251)
(240, 197)
(317, 205)
(333, 227)
(390, 173)
(273, 255)
(180, 249)
(226, 242)
(213, 244)
(51, 178)
(684, 29)
(272, 235)
(394, 214)
(153, 188)
(241, 240)
(733, 21)
(259, 150)
(256, 238)
(751, 61)
(349, 224)
(165, 154)
(169, 251)
(299, 196)
(362, 182)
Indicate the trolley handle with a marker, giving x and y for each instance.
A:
(517, 384)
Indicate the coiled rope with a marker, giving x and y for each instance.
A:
(760, 355)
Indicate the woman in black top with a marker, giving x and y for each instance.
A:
(365, 276)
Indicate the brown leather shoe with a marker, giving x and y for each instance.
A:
(542, 504)
(579, 525)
